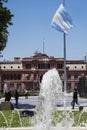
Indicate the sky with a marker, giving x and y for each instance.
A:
(32, 26)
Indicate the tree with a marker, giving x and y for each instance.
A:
(5, 21)
(82, 88)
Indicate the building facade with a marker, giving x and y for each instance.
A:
(25, 73)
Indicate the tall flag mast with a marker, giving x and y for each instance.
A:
(63, 1)
(62, 22)
(43, 45)
(65, 75)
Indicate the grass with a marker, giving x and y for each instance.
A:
(11, 118)
(76, 118)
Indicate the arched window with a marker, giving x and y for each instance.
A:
(19, 76)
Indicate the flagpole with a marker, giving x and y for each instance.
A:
(65, 76)
(63, 1)
(64, 40)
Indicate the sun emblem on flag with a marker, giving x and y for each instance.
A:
(56, 17)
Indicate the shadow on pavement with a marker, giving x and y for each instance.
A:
(24, 106)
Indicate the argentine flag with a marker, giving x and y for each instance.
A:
(62, 20)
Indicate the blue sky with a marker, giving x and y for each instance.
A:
(32, 23)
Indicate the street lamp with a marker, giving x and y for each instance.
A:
(33, 70)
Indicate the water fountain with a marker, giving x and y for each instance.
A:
(51, 89)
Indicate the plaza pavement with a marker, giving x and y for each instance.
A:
(31, 102)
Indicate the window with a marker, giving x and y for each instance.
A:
(43, 66)
(11, 76)
(15, 77)
(18, 67)
(19, 76)
(4, 67)
(60, 66)
(28, 76)
(8, 76)
(35, 76)
(11, 67)
(28, 66)
(82, 67)
(4, 77)
(68, 76)
(75, 76)
(75, 67)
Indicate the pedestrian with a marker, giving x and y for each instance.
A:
(75, 98)
(8, 96)
(16, 95)
(7, 92)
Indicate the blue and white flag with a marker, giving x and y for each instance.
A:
(62, 20)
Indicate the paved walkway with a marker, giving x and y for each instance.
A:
(31, 102)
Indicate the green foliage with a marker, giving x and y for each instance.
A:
(5, 21)
(30, 93)
(21, 93)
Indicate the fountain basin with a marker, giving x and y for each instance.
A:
(52, 128)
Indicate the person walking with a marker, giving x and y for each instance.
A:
(8, 96)
(16, 96)
(75, 98)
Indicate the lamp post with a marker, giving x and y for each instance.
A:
(33, 70)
